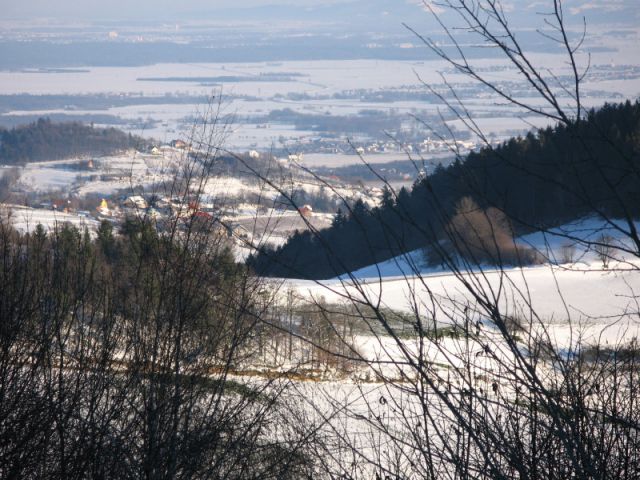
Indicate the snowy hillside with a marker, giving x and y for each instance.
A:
(565, 297)
(555, 245)
(26, 220)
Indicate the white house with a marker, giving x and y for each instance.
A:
(136, 201)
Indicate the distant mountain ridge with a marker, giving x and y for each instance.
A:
(350, 12)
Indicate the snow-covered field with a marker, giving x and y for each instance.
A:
(569, 300)
(567, 303)
(598, 300)
(566, 298)
(125, 170)
(26, 219)
(315, 83)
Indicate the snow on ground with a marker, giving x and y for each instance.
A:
(550, 244)
(104, 188)
(216, 188)
(124, 170)
(565, 298)
(570, 302)
(573, 302)
(106, 176)
(26, 219)
(41, 178)
(592, 297)
(578, 235)
(407, 264)
(602, 305)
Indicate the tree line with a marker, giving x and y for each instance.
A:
(544, 179)
(46, 140)
(115, 359)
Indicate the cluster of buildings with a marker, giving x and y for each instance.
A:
(170, 147)
(335, 146)
(164, 211)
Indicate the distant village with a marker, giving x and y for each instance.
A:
(231, 206)
(427, 146)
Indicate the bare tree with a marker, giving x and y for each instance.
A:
(483, 387)
(118, 355)
(604, 249)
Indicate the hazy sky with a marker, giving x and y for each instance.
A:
(617, 10)
(95, 9)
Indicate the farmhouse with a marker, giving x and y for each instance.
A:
(306, 211)
(136, 201)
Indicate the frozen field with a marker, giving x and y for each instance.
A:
(309, 87)
(568, 304)
(26, 220)
(562, 296)
(109, 174)
(589, 296)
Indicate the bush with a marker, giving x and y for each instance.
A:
(485, 236)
